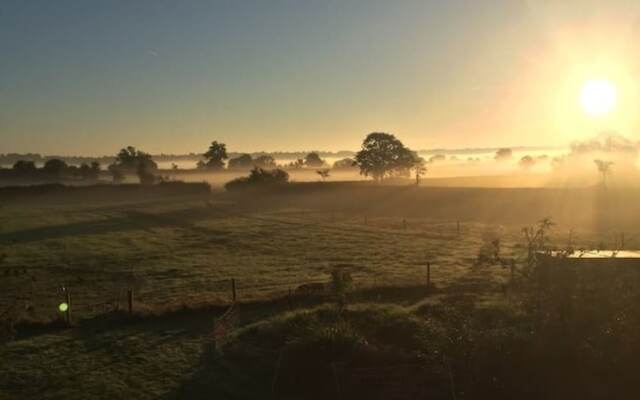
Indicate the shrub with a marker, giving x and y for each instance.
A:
(258, 177)
(503, 154)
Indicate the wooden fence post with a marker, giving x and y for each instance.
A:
(67, 299)
(513, 269)
(233, 289)
(130, 301)
(336, 381)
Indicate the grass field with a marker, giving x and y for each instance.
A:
(179, 254)
(185, 250)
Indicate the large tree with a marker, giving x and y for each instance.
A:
(130, 160)
(215, 156)
(384, 155)
(345, 164)
(55, 168)
(265, 161)
(22, 167)
(243, 161)
(313, 160)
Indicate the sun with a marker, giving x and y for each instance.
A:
(598, 97)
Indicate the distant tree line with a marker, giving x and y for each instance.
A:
(53, 170)
(382, 156)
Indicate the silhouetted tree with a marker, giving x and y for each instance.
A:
(437, 158)
(90, 172)
(313, 160)
(265, 161)
(54, 168)
(527, 162)
(503, 154)
(297, 164)
(22, 167)
(146, 175)
(130, 160)
(85, 171)
(258, 177)
(324, 173)
(604, 167)
(419, 168)
(117, 173)
(215, 156)
(382, 155)
(345, 164)
(243, 161)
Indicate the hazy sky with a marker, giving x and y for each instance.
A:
(170, 76)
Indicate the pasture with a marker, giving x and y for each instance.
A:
(185, 250)
(179, 253)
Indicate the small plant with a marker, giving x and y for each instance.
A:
(324, 173)
(537, 240)
(420, 169)
(340, 284)
(604, 167)
(489, 252)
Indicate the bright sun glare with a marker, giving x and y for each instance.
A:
(598, 97)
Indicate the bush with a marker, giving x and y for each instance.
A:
(503, 154)
(258, 178)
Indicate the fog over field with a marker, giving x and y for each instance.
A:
(319, 200)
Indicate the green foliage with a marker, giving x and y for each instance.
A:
(383, 155)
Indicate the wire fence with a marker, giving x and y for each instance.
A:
(51, 302)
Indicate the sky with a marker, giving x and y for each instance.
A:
(89, 77)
